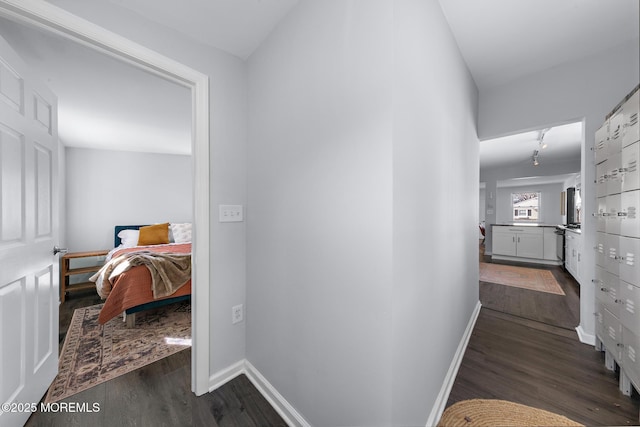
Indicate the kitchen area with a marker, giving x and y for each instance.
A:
(532, 241)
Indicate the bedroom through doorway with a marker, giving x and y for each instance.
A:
(96, 174)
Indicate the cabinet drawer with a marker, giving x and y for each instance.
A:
(523, 230)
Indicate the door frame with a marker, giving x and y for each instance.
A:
(53, 19)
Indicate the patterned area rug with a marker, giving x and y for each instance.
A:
(94, 353)
(520, 277)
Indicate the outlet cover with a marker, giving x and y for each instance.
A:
(236, 314)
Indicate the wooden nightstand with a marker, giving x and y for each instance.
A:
(66, 271)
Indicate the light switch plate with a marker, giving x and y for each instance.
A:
(231, 213)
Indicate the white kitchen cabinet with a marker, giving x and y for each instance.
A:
(504, 243)
(522, 242)
(573, 253)
(612, 219)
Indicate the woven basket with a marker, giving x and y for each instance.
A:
(494, 413)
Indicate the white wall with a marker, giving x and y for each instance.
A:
(348, 260)
(228, 109)
(549, 203)
(319, 227)
(587, 90)
(108, 188)
(435, 191)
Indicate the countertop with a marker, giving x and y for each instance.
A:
(524, 224)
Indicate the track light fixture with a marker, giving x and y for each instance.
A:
(535, 158)
(541, 142)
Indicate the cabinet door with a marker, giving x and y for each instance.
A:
(601, 249)
(629, 260)
(614, 174)
(504, 243)
(612, 253)
(631, 175)
(629, 298)
(631, 131)
(602, 136)
(612, 334)
(601, 178)
(612, 218)
(529, 245)
(631, 355)
(602, 214)
(629, 219)
(616, 124)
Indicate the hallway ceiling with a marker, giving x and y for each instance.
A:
(502, 40)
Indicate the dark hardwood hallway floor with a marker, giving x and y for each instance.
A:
(524, 349)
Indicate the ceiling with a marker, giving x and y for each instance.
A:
(564, 143)
(502, 40)
(235, 26)
(98, 95)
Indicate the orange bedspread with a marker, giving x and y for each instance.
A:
(133, 287)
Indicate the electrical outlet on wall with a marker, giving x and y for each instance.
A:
(237, 314)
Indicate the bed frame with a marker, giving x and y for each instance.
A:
(130, 313)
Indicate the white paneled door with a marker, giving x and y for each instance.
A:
(29, 288)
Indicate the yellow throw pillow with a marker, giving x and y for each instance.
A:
(156, 234)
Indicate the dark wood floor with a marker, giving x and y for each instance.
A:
(535, 358)
(160, 395)
(557, 310)
(537, 362)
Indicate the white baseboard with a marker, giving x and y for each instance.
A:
(222, 377)
(585, 337)
(292, 417)
(449, 379)
(288, 413)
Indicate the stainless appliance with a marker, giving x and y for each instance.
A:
(560, 230)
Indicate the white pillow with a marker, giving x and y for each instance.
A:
(181, 232)
(129, 238)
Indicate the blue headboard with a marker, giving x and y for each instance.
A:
(119, 228)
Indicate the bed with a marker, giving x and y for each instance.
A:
(149, 267)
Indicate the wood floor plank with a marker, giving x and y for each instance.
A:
(510, 361)
(160, 394)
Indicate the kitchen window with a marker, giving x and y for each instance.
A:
(526, 206)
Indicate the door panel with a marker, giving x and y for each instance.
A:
(29, 288)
